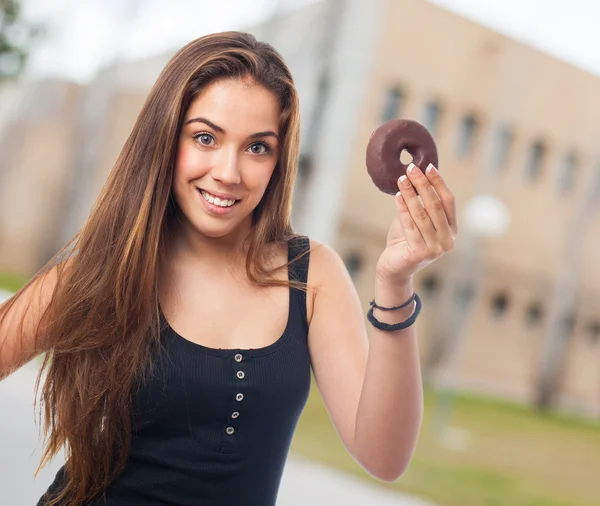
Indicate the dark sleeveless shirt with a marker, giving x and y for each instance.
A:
(213, 426)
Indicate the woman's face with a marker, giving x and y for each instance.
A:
(227, 152)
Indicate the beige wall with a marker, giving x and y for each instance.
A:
(37, 165)
(123, 112)
(39, 178)
(433, 54)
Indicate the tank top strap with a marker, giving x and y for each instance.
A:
(298, 258)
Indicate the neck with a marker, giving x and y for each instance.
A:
(229, 251)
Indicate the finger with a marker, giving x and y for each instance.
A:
(446, 196)
(433, 205)
(413, 235)
(418, 212)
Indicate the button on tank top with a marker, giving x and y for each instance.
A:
(212, 426)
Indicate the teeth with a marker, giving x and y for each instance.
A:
(216, 200)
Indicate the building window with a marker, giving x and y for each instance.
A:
(394, 101)
(431, 116)
(354, 262)
(430, 285)
(501, 146)
(466, 134)
(534, 314)
(568, 324)
(535, 160)
(305, 165)
(567, 172)
(594, 332)
(464, 294)
(499, 304)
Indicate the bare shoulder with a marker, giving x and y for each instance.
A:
(325, 262)
(326, 272)
(327, 276)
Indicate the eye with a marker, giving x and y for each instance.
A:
(204, 138)
(259, 148)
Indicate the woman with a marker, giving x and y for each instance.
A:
(184, 318)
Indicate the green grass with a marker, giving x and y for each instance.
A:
(516, 456)
(11, 282)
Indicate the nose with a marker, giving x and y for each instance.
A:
(226, 170)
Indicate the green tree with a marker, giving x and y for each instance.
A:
(16, 38)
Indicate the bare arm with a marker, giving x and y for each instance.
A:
(370, 382)
(20, 330)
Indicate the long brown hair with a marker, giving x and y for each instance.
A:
(103, 323)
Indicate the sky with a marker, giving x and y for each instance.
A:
(567, 29)
(84, 34)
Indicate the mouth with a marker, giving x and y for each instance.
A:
(218, 201)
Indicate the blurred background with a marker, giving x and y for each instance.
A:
(510, 331)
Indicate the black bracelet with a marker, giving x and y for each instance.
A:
(409, 301)
(391, 327)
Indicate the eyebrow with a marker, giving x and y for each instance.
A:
(257, 135)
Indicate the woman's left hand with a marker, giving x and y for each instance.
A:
(420, 233)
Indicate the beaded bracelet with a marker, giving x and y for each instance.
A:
(391, 327)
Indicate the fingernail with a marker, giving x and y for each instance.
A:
(430, 167)
(398, 194)
(411, 166)
(403, 179)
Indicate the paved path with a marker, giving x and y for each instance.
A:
(303, 483)
(308, 483)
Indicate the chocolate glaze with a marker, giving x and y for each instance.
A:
(386, 144)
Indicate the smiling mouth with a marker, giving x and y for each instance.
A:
(216, 200)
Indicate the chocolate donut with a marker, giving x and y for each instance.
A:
(386, 144)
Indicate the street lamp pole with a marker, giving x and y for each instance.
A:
(563, 300)
(485, 217)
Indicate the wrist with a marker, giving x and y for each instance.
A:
(397, 288)
(393, 294)
(384, 276)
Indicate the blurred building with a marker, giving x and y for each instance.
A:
(508, 119)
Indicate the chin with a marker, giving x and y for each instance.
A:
(216, 229)
(213, 233)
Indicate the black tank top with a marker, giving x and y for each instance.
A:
(213, 426)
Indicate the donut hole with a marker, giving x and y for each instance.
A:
(406, 157)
